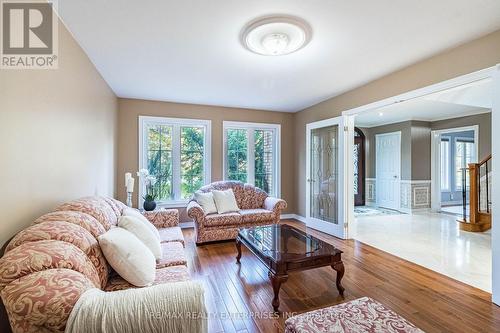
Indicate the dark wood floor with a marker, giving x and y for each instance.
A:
(239, 297)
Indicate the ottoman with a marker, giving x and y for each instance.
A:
(361, 315)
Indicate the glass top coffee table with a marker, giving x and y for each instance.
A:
(283, 248)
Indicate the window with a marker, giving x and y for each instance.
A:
(464, 153)
(252, 154)
(445, 164)
(177, 152)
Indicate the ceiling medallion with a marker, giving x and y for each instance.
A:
(276, 35)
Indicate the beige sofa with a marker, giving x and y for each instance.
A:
(49, 265)
(256, 208)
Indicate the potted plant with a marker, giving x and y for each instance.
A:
(149, 181)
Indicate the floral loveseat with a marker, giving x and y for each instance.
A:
(256, 208)
(49, 265)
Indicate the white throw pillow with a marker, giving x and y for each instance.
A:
(128, 256)
(141, 231)
(137, 214)
(225, 201)
(206, 201)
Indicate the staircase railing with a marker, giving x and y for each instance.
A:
(479, 179)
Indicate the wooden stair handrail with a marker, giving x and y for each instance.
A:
(484, 160)
(478, 220)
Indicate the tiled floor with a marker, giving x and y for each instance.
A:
(433, 241)
(457, 210)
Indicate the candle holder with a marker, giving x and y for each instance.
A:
(129, 199)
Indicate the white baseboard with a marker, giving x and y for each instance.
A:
(293, 216)
(414, 210)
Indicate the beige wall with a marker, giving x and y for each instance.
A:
(370, 133)
(416, 143)
(128, 132)
(57, 137)
(478, 54)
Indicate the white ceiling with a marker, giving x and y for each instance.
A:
(465, 100)
(189, 51)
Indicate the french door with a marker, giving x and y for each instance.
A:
(328, 176)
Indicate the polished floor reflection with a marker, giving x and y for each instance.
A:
(431, 240)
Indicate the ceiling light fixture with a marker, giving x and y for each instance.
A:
(276, 35)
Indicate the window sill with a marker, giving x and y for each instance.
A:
(172, 204)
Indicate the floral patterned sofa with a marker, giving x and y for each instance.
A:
(256, 208)
(47, 266)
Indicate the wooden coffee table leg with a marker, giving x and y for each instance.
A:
(276, 281)
(238, 247)
(339, 268)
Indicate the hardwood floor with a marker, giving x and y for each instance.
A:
(239, 297)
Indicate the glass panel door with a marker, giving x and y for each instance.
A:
(324, 174)
(329, 175)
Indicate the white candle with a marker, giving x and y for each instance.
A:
(128, 175)
(130, 185)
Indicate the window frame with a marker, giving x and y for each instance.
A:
(457, 140)
(176, 124)
(251, 128)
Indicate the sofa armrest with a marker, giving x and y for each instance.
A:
(163, 218)
(195, 212)
(168, 307)
(275, 205)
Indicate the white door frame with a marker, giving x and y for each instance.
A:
(491, 72)
(436, 160)
(346, 139)
(377, 170)
(495, 197)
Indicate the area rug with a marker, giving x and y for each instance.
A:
(361, 315)
(374, 211)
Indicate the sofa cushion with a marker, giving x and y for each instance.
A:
(172, 234)
(141, 231)
(128, 256)
(44, 255)
(173, 255)
(95, 206)
(66, 232)
(84, 220)
(42, 301)
(214, 220)
(256, 215)
(163, 275)
(225, 201)
(253, 197)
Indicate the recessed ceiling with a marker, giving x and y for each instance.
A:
(189, 51)
(465, 100)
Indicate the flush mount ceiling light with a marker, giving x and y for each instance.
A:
(276, 35)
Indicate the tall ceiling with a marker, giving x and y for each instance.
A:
(465, 100)
(189, 50)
